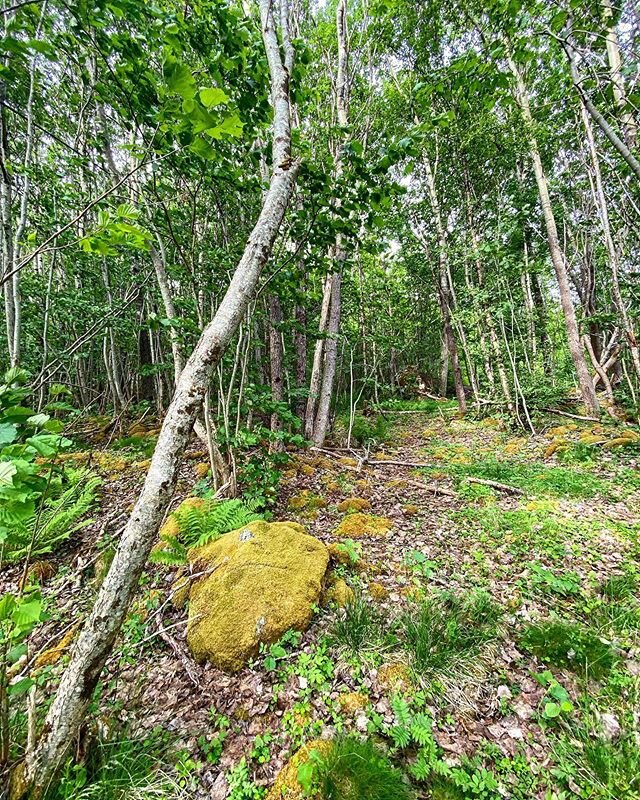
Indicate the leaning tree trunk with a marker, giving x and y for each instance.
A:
(627, 121)
(96, 639)
(585, 382)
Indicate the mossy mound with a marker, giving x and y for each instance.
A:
(354, 504)
(350, 702)
(306, 501)
(395, 677)
(265, 579)
(356, 525)
(410, 510)
(339, 592)
(287, 786)
(378, 591)
(202, 469)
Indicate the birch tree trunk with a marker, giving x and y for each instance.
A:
(444, 289)
(96, 639)
(331, 345)
(612, 254)
(627, 121)
(585, 382)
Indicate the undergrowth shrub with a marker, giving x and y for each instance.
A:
(570, 645)
(369, 429)
(445, 631)
(41, 502)
(604, 768)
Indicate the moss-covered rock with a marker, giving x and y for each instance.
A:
(354, 504)
(357, 525)
(264, 579)
(287, 786)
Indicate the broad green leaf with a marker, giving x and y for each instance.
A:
(7, 471)
(213, 96)
(8, 433)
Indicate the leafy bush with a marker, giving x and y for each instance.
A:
(40, 502)
(365, 429)
(570, 645)
(445, 631)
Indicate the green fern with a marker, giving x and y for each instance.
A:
(56, 520)
(199, 525)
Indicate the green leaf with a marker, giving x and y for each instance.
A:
(38, 420)
(551, 710)
(8, 433)
(28, 613)
(180, 80)
(212, 97)
(7, 471)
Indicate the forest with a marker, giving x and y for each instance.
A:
(320, 400)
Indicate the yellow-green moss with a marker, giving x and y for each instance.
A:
(356, 525)
(339, 592)
(378, 591)
(394, 677)
(350, 702)
(265, 579)
(202, 469)
(354, 504)
(410, 510)
(348, 462)
(306, 501)
(51, 656)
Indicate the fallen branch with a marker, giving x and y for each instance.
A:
(428, 487)
(188, 664)
(571, 416)
(502, 487)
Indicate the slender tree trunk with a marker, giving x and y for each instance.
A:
(316, 367)
(444, 288)
(300, 347)
(612, 253)
(627, 121)
(330, 363)
(331, 345)
(622, 148)
(96, 639)
(585, 382)
(276, 370)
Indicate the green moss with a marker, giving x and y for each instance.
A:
(263, 580)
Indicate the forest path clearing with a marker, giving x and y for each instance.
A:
(545, 582)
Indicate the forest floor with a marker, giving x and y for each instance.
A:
(507, 616)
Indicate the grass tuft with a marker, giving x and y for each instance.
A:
(444, 632)
(354, 769)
